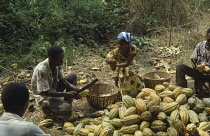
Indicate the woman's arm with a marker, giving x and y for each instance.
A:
(128, 61)
(112, 63)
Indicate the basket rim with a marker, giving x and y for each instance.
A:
(156, 72)
(101, 96)
(96, 96)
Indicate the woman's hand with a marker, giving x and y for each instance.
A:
(112, 63)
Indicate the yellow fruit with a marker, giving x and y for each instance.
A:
(159, 88)
(200, 67)
(130, 111)
(141, 95)
(191, 128)
(69, 130)
(138, 133)
(114, 113)
(68, 124)
(131, 119)
(166, 84)
(122, 110)
(84, 93)
(147, 91)
(140, 105)
(168, 99)
(144, 124)
(168, 107)
(158, 125)
(128, 101)
(171, 87)
(129, 129)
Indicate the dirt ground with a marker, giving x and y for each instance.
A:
(89, 67)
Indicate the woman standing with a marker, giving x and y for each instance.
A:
(121, 61)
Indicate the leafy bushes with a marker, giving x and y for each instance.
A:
(29, 27)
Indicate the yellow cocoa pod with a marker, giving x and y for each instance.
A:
(69, 130)
(84, 93)
(168, 99)
(191, 128)
(159, 88)
(206, 69)
(140, 105)
(141, 95)
(130, 111)
(68, 124)
(200, 67)
(166, 84)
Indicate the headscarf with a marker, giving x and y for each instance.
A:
(126, 36)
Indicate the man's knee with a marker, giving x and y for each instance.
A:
(179, 66)
(65, 108)
(72, 77)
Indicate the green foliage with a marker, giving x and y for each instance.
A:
(30, 27)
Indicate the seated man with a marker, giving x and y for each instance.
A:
(201, 55)
(49, 83)
(15, 97)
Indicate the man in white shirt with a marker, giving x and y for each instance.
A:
(15, 97)
(48, 84)
(199, 56)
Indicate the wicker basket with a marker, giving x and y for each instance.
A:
(151, 79)
(101, 95)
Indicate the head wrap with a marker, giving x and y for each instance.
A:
(126, 36)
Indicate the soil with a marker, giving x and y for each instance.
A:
(89, 67)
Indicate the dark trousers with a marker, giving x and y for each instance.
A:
(57, 104)
(182, 70)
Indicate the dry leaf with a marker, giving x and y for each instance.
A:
(1, 107)
(172, 72)
(95, 68)
(83, 81)
(14, 66)
(5, 83)
(81, 73)
(81, 114)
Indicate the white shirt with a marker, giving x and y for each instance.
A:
(200, 54)
(13, 125)
(42, 80)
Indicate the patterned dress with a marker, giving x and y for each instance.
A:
(129, 82)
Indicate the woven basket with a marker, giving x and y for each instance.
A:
(101, 95)
(151, 79)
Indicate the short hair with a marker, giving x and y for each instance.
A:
(208, 31)
(14, 95)
(54, 51)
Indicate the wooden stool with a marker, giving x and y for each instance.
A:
(201, 84)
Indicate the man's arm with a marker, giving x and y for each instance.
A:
(193, 63)
(71, 94)
(70, 86)
(36, 131)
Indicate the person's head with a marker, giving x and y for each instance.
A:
(56, 55)
(15, 97)
(124, 40)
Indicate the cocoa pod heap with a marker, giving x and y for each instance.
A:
(166, 110)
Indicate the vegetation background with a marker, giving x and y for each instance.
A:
(28, 28)
(87, 30)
